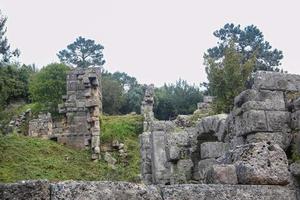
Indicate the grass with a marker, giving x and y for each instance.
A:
(24, 158)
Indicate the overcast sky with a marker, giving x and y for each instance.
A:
(156, 41)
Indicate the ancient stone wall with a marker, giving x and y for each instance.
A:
(82, 106)
(84, 190)
(250, 146)
(41, 126)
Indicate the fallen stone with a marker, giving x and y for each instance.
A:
(109, 159)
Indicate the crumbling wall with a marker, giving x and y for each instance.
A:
(41, 126)
(251, 145)
(82, 106)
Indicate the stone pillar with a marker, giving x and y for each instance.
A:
(147, 107)
(82, 107)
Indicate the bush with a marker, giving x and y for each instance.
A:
(48, 86)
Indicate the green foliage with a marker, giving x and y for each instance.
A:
(227, 79)
(48, 85)
(121, 93)
(24, 158)
(248, 41)
(14, 82)
(174, 99)
(82, 53)
(5, 52)
(120, 127)
(112, 95)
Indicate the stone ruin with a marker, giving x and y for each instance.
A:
(207, 101)
(250, 146)
(245, 155)
(41, 127)
(81, 107)
(147, 107)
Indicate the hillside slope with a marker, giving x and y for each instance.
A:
(24, 158)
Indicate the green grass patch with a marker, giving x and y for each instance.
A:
(24, 158)
(120, 127)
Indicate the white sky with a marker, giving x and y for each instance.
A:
(156, 41)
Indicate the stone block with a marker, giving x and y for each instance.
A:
(227, 192)
(222, 174)
(296, 103)
(295, 169)
(167, 126)
(264, 80)
(24, 190)
(182, 172)
(278, 121)
(295, 120)
(103, 190)
(159, 158)
(283, 139)
(211, 123)
(261, 164)
(213, 149)
(250, 122)
(260, 100)
(203, 167)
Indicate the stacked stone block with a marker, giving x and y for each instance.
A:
(82, 106)
(147, 107)
(245, 147)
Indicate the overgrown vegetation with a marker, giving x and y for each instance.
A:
(174, 99)
(48, 85)
(24, 158)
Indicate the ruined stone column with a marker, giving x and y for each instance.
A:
(147, 107)
(82, 107)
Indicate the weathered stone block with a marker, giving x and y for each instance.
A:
(103, 190)
(167, 126)
(183, 171)
(276, 81)
(211, 123)
(278, 121)
(203, 167)
(281, 138)
(261, 164)
(35, 190)
(213, 149)
(250, 122)
(159, 158)
(295, 169)
(222, 174)
(260, 100)
(295, 120)
(227, 192)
